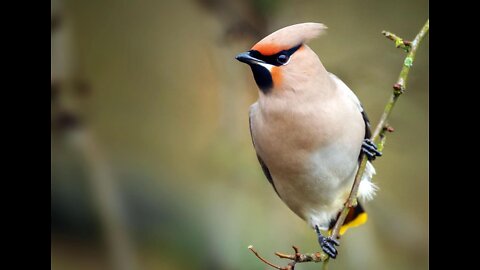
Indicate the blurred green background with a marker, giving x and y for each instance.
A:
(152, 161)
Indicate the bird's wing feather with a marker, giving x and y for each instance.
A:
(368, 131)
(260, 160)
(367, 188)
(355, 99)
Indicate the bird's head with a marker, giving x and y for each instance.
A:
(282, 60)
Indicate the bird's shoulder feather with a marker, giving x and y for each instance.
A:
(265, 169)
(343, 87)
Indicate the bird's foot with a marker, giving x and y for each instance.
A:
(370, 149)
(327, 244)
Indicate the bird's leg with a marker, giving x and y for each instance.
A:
(370, 149)
(327, 244)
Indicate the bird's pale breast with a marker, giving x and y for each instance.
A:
(311, 152)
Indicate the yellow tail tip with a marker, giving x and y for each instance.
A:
(359, 220)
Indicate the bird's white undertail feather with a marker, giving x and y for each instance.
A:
(367, 188)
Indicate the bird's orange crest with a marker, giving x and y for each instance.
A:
(267, 48)
(288, 37)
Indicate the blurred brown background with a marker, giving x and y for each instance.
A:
(152, 162)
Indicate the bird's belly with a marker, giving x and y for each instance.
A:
(312, 155)
(317, 190)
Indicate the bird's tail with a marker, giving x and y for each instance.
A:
(356, 217)
(367, 188)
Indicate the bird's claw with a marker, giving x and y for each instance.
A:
(328, 246)
(370, 149)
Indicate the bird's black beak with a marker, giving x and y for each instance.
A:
(246, 58)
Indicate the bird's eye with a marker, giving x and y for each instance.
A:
(282, 59)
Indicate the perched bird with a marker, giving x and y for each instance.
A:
(308, 130)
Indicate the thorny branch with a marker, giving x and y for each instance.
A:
(399, 42)
(379, 137)
(380, 130)
(296, 258)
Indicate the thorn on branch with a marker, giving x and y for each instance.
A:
(398, 89)
(388, 128)
(383, 138)
(406, 45)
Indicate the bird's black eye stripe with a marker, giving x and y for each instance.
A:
(277, 59)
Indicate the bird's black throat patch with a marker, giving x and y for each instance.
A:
(262, 77)
(257, 62)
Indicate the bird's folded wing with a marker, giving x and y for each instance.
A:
(367, 188)
(355, 99)
(260, 160)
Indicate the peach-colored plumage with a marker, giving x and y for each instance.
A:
(307, 125)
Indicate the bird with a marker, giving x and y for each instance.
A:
(309, 131)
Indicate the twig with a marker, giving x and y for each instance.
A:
(401, 85)
(382, 127)
(399, 42)
(262, 259)
(379, 134)
(299, 258)
(296, 258)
